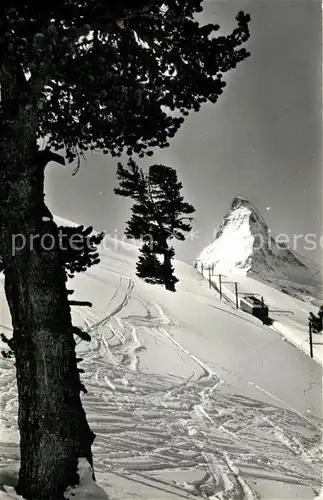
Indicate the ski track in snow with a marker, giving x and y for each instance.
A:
(149, 426)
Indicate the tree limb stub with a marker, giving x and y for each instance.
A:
(82, 334)
(79, 303)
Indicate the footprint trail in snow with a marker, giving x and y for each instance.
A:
(167, 420)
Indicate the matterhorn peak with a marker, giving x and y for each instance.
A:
(239, 200)
(243, 244)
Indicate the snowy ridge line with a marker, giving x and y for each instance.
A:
(254, 209)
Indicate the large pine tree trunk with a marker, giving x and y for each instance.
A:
(53, 428)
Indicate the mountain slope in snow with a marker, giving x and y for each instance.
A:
(244, 245)
(188, 397)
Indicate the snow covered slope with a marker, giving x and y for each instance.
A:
(188, 398)
(289, 315)
(243, 245)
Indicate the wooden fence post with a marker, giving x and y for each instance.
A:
(202, 268)
(212, 268)
(209, 277)
(220, 286)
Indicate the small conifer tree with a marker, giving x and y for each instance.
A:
(159, 213)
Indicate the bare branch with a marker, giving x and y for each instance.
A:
(82, 334)
(79, 303)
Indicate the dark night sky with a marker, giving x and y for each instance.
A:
(261, 140)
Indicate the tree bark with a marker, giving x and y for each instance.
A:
(54, 431)
(169, 283)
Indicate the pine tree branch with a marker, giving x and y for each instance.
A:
(155, 17)
(142, 13)
(45, 156)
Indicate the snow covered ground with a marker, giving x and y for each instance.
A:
(289, 315)
(188, 397)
